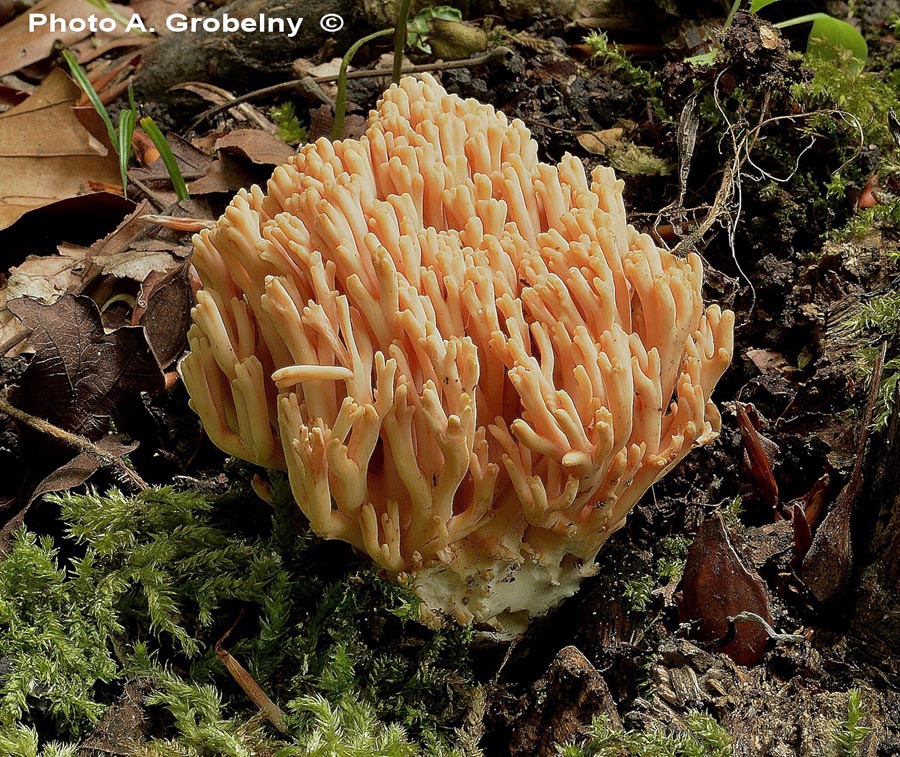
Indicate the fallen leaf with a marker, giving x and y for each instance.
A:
(47, 154)
(47, 277)
(81, 467)
(303, 67)
(717, 585)
(256, 146)
(598, 142)
(321, 120)
(768, 361)
(225, 176)
(79, 374)
(193, 163)
(19, 47)
(135, 249)
(42, 277)
(760, 461)
(828, 566)
(164, 310)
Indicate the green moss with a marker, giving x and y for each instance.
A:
(148, 583)
(615, 61)
(54, 626)
(290, 129)
(850, 733)
(702, 737)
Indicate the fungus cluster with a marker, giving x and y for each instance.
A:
(468, 362)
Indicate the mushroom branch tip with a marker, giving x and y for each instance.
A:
(467, 361)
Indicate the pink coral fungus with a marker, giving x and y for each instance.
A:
(470, 365)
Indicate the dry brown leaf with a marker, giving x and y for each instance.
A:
(19, 47)
(768, 361)
(225, 175)
(81, 467)
(47, 153)
(598, 142)
(192, 162)
(256, 146)
(718, 584)
(47, 277)
(135, 248)
(79, 374)
(137, 264)
(163, 308)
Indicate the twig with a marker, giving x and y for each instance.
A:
(271, 711)
(18, 336)
(72, 440)
(288, 86)
(149, 193)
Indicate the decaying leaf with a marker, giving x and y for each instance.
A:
(164, 310)
(79, 374)
(192, 162)
(623, 154)
(717, 585)
(768, 361)
(20, 48)
(81, 467)
(47, 277)
(256, 146)
(226, 175)
(598, 142)
(47, 154)
(760, 461)
(321, 120)
(828, 566)
(135, 249)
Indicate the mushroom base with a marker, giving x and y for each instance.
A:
(503, 594)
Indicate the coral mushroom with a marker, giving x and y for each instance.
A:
(470, 365)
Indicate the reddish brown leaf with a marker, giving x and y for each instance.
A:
(717, 585)
(226, 175)
(78, 373)
(802, 532)
(760, 466)
(814, 500)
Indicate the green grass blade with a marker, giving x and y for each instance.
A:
(400, 39)
(80, 76)
(167, 155)
(109, 10)
(127, 122)
(340, 102)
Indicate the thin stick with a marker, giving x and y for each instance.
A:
(288, 86)
(72, 440)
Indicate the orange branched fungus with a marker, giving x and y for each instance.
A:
(470, 365)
